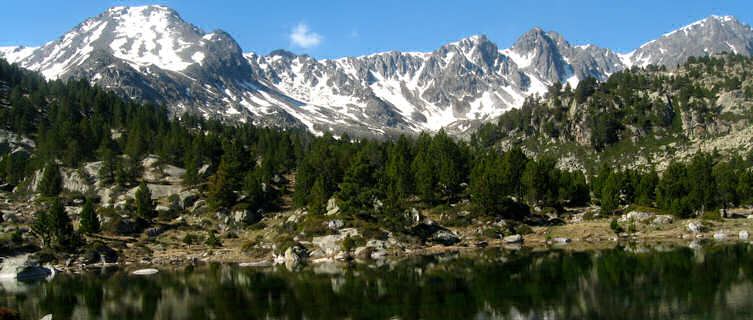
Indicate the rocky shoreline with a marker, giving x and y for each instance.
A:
(653, 233)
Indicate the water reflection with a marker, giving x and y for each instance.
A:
(713, 283)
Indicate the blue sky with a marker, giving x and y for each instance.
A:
(334, 28)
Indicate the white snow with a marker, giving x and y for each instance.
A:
(573, 81)
(153, 40)
(521, 61)
(734, 50)
(16, 54)
(198, 57)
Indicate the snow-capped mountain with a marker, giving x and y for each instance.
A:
(150, 53)
(714, 34)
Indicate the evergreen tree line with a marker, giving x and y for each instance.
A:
(704, 184)
(380, 180)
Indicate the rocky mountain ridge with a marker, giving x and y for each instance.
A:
(149, 53)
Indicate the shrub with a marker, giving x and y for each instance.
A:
(189, 239)
(523, 229)
(313, 225)
(615, 226)
(712, 215)
(212, 240)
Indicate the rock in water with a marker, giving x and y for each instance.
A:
(561, 240)
(695, 227)
(720, 236)
(444, 237)
(22, 268)
(743, 235)
(329, 244)
(145, 272)
(516, 238)
(295, 255)
(258, 264)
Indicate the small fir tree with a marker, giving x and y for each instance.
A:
(51, 183)
(144, 203)
(89, 220)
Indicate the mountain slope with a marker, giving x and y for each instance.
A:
(638, 117)
(705, 37)
(150, 53)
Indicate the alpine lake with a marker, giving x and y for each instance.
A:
(708, 281)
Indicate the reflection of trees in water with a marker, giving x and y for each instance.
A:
(606, 284)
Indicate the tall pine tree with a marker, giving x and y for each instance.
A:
(51, 183)
(89, 221)
(144, 203)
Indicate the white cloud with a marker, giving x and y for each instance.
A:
(305, 38)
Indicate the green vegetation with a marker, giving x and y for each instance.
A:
(375, 183)
(89, 220)
(144, 203)
(633, 114)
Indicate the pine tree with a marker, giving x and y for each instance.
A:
(61, 225)
(89, 220)
(425, 176)
(192, 171)
(357, 191)
(226, 181)
(701, 184)
(610, 193)
(745, 187)
(318, 197)
(51, 183)
(212, 240)
(107, 171)
(255, 195)
(485, 184)
(41, 227)
(128, 170)
(646, 191)
(448, 163)
(514, 164)
(726, 182)
(672, 190)
(540, 180)
(144, 203)
(399, 177)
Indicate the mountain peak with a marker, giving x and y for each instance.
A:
(711, 35)
(469, 42)
(158, 7)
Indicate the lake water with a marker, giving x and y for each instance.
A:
(715, 282)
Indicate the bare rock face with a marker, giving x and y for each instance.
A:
(636, 216)
(332, 207)
(246, 217)
(712, 35)
(150, 53)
